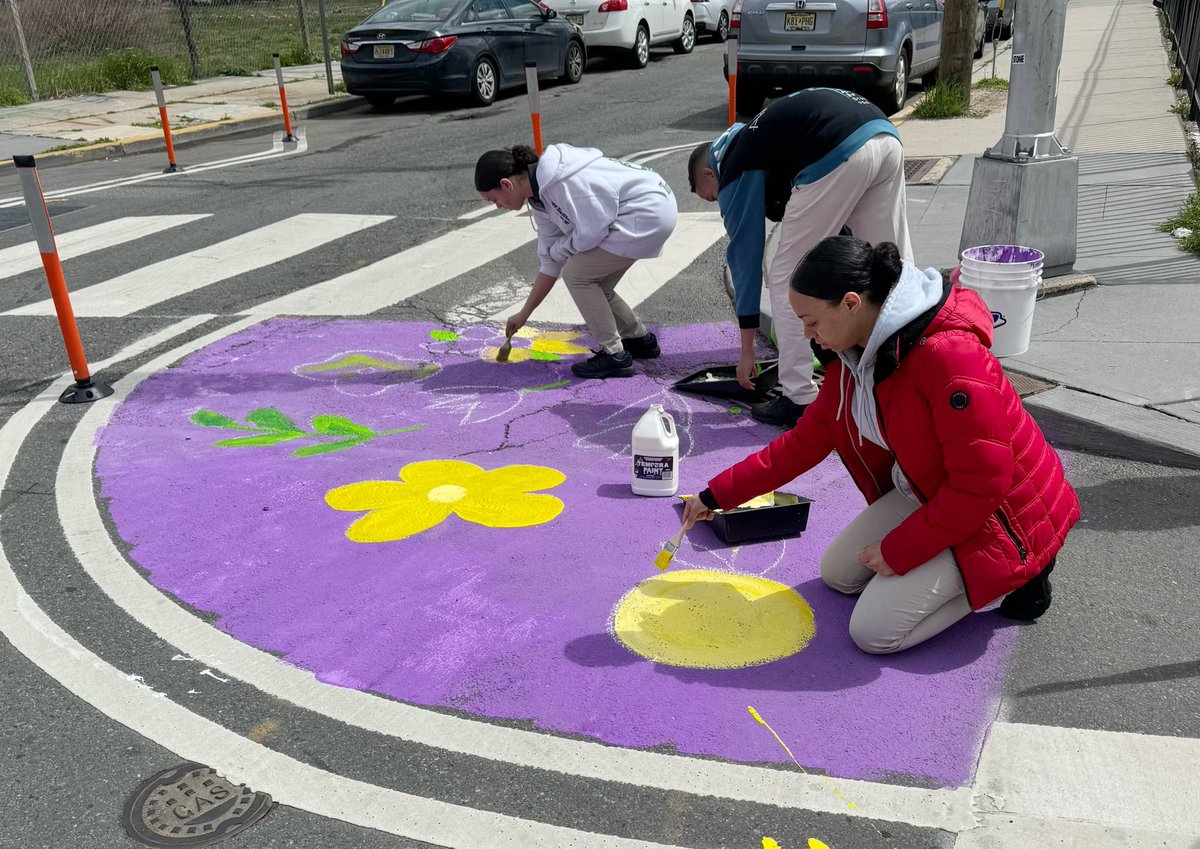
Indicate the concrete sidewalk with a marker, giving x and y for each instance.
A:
(121, 122)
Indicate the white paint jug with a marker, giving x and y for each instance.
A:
(655, 452)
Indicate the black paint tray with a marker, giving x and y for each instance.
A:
(788, 516)
(727, 385)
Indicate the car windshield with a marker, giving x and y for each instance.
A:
(411, 11)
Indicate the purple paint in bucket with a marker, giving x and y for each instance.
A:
(1004, 254)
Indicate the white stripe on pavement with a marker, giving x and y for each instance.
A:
(179, 275)
(96, 552)
(695, 233)
(408, 273)
(21, 258)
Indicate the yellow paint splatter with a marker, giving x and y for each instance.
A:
(704, 619)
(549, 345)
(758, 718)
(813, 843)
(263, 730)
(768, 843)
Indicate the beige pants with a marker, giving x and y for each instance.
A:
(899, 611)
(866, 192)
(592, 278)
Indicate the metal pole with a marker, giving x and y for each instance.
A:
(29, 78)
(535, 104)
(303, 28)
(731, 51)
(172, 167)
(325, 44)
(1037, 42)
(287, 118)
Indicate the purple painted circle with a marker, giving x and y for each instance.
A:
(512, 623)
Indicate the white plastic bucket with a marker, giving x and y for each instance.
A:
(1007, 278)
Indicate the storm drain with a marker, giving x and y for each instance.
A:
(926, 171)
(190, 805)
(1026, 385)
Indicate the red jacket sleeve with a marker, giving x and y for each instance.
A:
(787, 456)
(973, 425)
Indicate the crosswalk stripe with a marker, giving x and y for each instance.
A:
(408, 273)
(695, 233)
(179, 275)
(25, 257)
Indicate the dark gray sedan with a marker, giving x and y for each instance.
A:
(458, 47)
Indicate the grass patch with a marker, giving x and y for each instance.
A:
(1182, 107)
(1176, 78)
(118, 70)
(997, 83)
(942, 101)
(78, 144)
(1189, 217)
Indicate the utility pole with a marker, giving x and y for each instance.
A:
(1025, 189)
(29, 78)
(325, 44)
(958, 44)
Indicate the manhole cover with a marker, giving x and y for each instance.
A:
(1026, 385)
(191, 805)
(915, 169)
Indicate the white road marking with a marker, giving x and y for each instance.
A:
(408, 273)
(477, 213)
(695, 233)
(152, 284)
(75, 243)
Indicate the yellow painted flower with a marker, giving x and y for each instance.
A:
(429, 491)
(550, 345)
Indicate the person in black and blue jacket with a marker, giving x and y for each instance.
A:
(816, 161)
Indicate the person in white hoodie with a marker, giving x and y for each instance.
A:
(595, 217)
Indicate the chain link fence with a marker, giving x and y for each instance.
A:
(90, 46)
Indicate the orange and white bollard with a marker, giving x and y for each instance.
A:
(166, 125)
(731, 63)
(287, 117)
(85, 389)
(535, 104)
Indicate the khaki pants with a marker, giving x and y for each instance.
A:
(592, 278)
(866, 192)
(896, 612)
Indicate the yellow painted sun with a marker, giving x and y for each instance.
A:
(703, 619)
(546, 345)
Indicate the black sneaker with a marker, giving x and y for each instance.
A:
(603, 364)
(643, 347)
(1028, 602)
(778, 411)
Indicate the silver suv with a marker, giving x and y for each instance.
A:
(874, 46)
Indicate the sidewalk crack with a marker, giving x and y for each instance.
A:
(1083, 293)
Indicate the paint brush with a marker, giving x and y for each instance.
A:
(505, 350)
(663, 560)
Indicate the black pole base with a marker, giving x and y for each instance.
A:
(289, 138)
(85, 391)
(172, 169)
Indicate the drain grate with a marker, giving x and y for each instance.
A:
(1026, 385)
(190, 805)
(915, 169)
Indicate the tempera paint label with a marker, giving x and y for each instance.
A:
(650, 468)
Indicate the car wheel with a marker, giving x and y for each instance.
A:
(722, 33)
(381, 101)
(687, 38)
(749, 99)
(483, 82)
(573, 67)
(893, 96)
(640, 54)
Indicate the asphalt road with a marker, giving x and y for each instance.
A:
(1117, 652)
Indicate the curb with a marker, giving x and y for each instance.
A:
(189, 135)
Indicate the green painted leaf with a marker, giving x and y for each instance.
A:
(271, 419)
(339, 426)
(210, 419)
(262, 439)
(400, 430)
(544, 356)
(329, 447)
(443, 335)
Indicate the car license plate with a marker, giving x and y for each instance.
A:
(385, 51)
(575, 18)
(803, 21)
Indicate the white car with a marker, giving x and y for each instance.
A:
(630, 27)
(712, 17)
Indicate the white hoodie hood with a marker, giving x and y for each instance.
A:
(914, 293)
(588, 200)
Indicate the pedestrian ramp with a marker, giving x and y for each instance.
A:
(387, 283)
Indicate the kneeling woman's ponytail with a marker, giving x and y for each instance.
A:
(497, 165)
(841, 264)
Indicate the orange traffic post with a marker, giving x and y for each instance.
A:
(85, 389)
(287, 118)
(535, 104)
(731, 65)
(166, 125)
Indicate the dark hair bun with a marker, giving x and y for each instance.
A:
(523, 156)
(885, 269)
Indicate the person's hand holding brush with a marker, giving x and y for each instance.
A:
(694, 510)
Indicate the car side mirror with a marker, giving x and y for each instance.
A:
(548, 13)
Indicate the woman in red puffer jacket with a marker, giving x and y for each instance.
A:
(966, 500)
